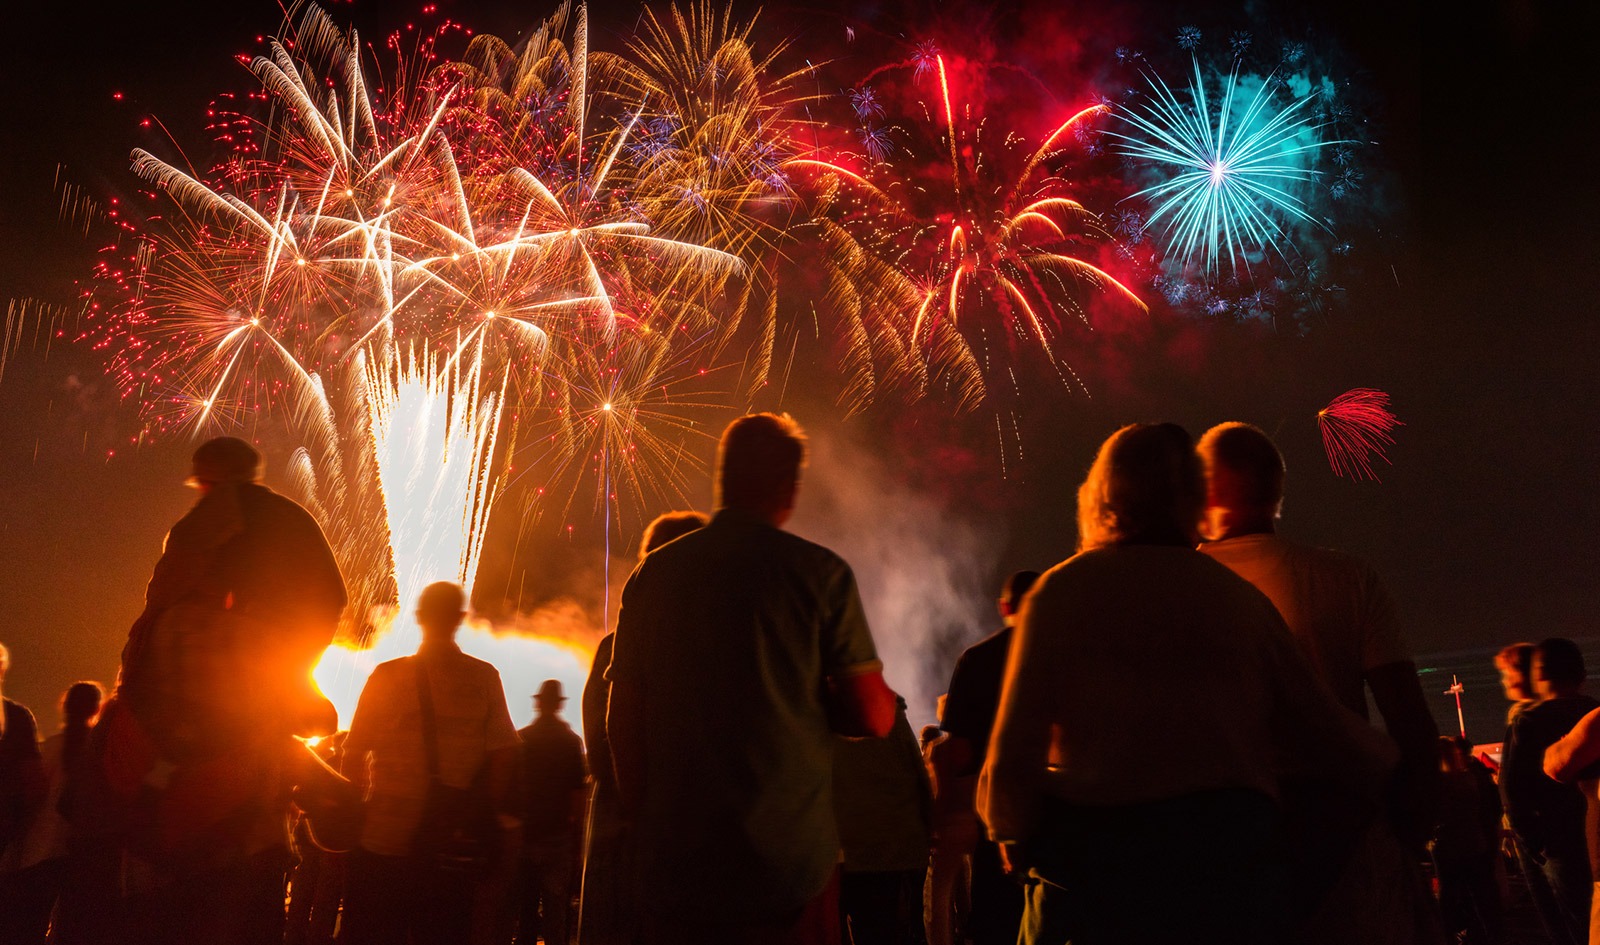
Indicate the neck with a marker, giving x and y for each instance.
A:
(1224, 523)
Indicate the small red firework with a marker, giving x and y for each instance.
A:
(1355, 427)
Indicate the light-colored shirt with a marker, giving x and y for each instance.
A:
(1141, 673)
(471, 718)
(1334, 604)
(726, 636)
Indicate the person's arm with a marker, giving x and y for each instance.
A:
(625, 733)
(1011, 785)
(502, 758)
(860, 703)
(372, 709)
(1575, 751)
(1398, 694)
(863, 704)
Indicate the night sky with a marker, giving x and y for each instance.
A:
(1480, 325)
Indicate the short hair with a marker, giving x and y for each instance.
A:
(1243, 466)
(759, 459)
(1017, 587)
(1145, 487)
(668, 526)
(1519, 657)
(81, 702)
(442, 599)
(1562, 661)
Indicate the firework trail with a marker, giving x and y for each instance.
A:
(1230, 168)
(1355, 427)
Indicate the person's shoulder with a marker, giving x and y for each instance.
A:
(998, 642)
(18, 710)
(388, 668)
(471, 664)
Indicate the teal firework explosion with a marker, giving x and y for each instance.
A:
(1232, 168)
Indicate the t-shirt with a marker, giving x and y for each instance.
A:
(1545, 813)
(552, 769)
(471, 719)
(1140, 673)
(974, 696)
(883, 800)
(725, 637)
(1334, 604)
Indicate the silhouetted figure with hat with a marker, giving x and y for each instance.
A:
(740, 650)
(195, 747)
(555, 789)
(433, 746)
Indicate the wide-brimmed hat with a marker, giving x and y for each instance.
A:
(550, 691)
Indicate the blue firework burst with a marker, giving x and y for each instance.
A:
(1229, 167)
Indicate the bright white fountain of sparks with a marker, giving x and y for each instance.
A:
(433, 435)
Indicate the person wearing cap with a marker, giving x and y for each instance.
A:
(401, 751)
(555, 783)
(195, 750)
(256, 564)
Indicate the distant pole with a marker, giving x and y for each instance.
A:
(1456, 689)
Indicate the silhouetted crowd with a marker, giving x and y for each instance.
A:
(1166, 741)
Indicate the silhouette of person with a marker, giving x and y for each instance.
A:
(1153, 710)
(555, 791)
(251, 571)
(41, 855)
(194, 746)
(1339, 611)
(884, 806)
(1548, 816)
(23, 785)
(426, 729)
(739, 649)
(995, 912)
(607, 912)
(1575, 759)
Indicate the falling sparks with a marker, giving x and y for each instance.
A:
(1355, 428)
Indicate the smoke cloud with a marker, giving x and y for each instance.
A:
(925, 565)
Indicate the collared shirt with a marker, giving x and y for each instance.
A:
(1333, 603)
(727, 636)
(471, 718)
(1141, 673)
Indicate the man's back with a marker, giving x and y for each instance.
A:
(1546, 813)
(728, 634)
(1333, 603)
(471, 720)
(552, 770)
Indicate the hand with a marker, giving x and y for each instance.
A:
(1014, 859)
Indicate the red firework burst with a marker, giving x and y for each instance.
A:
(1355, 427)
